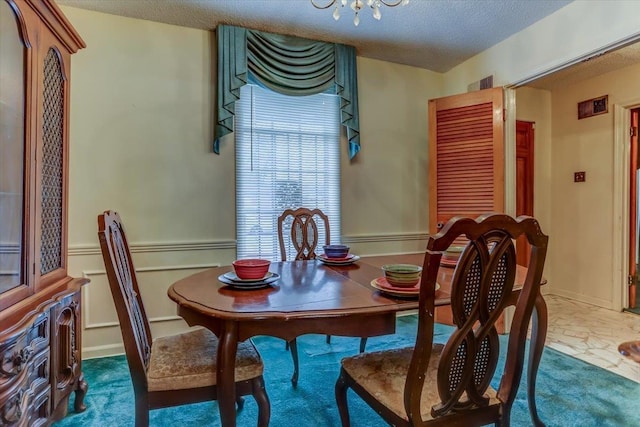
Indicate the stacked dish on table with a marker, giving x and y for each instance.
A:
(451, 256)
(337, 255)
(249, 274)
(400, 280)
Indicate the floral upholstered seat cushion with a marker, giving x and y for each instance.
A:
(189, 360)
(382, 374)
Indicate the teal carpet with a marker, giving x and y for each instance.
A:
(569, 392)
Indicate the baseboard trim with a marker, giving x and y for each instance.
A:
(582, 298)
(102, 351)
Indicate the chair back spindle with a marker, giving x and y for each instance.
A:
(123, 281)
(171, 370)
(299, 233)
(481, 289)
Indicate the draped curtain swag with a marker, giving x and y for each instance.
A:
(288, 65)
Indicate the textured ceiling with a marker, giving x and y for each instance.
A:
(433, 34)
(603, 63)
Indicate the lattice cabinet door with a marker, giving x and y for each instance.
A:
(51, 161)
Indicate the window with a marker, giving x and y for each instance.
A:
(287, 156)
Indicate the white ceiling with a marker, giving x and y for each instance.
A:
(433, 34)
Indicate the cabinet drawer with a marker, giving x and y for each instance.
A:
(39, 372)
(40, 409)
(17, 350)
(28, 398)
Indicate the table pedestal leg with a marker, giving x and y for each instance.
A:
(538, 337)
(226, 361)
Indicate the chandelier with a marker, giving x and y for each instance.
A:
(357, 5)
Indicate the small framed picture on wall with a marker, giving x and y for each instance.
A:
(593, 107)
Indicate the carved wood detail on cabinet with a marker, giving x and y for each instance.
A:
(66, 359)
(25, 372)
(40, 304)
(40, 362)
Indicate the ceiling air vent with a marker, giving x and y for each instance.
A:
(486, 83)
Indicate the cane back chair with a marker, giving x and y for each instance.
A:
(299, 238)
(449, 385)
(173, 370)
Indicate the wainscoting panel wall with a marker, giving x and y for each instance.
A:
(158, 265)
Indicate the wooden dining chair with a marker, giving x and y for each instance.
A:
(299, 233)
(449, 385)
(173, 370)
(299, 237)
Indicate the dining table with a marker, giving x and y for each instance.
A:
(311, 297)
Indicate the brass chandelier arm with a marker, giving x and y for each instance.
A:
(387, 3)
(328, 5)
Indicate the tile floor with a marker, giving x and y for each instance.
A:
(592, 334)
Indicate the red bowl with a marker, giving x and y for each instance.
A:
(252, 268)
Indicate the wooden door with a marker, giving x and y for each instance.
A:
(466, 156)
(633, 210)
(524, 181)
(466, 161)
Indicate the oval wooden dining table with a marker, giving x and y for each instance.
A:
(311, 297)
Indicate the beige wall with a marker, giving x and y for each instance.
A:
(583, 214)
(140, 143)
(385, 189)
(573, 32)
(586, 258)
(534, 105)
(141, 131)
(581, 218)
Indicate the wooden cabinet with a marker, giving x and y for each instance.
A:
(40, 323)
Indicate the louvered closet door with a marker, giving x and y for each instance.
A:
(466, 156)
(466, 162)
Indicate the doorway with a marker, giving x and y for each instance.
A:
(634, 224)
(524, 181)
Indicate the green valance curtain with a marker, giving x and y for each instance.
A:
(288, 65)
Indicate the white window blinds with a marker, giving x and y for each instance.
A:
(287, 156)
